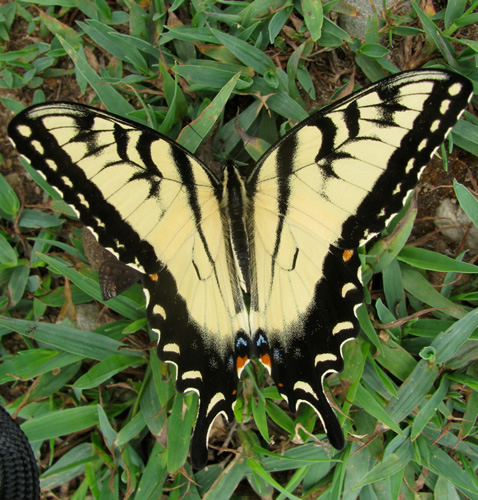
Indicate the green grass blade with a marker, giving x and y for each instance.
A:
(373, 406)
(261, 472)
(447, 343)
(66, 338)
(199, 129)
(413, 391)
(247, 54)
(29, 364)
(314, 17)
(465, 136)
(467, 201)
(428, 411)
(415, 284)
(422, 258)
(113, 101)
(106, 369)
(390, 465)
(60, 422)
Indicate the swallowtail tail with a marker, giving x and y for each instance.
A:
(286, 235)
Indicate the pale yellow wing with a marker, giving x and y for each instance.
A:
(322, 191)
(158, 210)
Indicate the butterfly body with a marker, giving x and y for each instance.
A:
(286, 234)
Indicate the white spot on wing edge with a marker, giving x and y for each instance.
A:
(147, 296)
(327, 372)
(435, 125)
(219, 396)
(24, 130)
(136, 266)
(341, 351)
(37, 145)
(75, 211)
(422, 145)
(171, 348)
(321, 358)
(300, 401)
(158, 333)
(53, 166)
(348, 287)
(397, 189)
(159, 310)
(304, 386)
(55, 188)
(444, 106)
(191, 374)
(188, 389)
(67, 181)
(99, 222)
(211, 405)
(356, 308)
(340, 327)
(410, 165)
(176, 366)
(83, 200)
(455, 89)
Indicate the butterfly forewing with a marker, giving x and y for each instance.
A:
(325, 188)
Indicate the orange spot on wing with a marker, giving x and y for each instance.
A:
(280, 384)
(266, 360)
(347, 255)
(240, 362)
(154, 277)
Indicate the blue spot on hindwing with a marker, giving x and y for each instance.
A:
(261, 341)
(241, 342)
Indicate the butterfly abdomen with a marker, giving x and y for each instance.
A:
(235, 208)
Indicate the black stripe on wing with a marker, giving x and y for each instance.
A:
(299, 367)
(44, 152)
(428, 131)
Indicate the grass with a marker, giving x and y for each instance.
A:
(100, 409)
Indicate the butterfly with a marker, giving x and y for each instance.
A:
(262, 266)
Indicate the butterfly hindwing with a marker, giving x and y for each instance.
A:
(288, 233)
(327, 187)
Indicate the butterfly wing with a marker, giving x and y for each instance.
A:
(327, 187)
(158, 210)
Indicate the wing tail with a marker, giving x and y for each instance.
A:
(315, 347)
(204, 365)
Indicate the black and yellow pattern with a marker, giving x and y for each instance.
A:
(287, 234)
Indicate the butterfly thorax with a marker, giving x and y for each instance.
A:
(234, 205)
